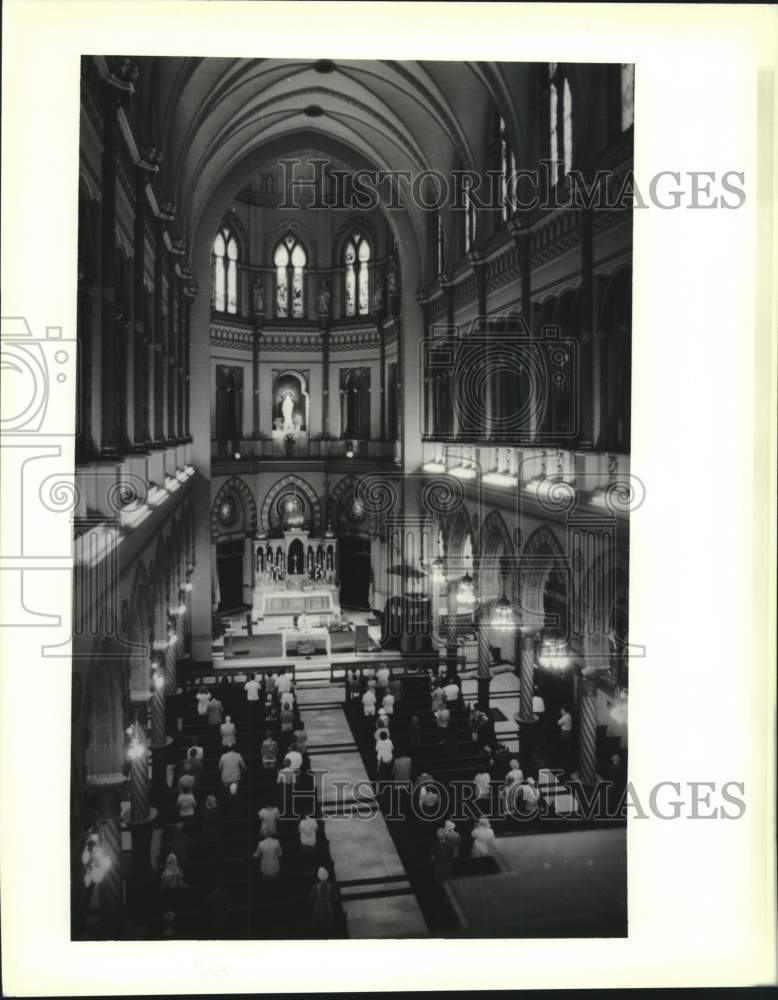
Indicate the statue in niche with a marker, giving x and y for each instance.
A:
(287, 410)
(324, 300)
(258, 294)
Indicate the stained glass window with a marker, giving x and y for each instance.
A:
(289, 261)
(356, 256)
(627, 95)
(560, 108)
(224, 261)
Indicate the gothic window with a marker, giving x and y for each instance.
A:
(507, 168)
(356, 255)
(224, 261)
(290, 260)
(560, 118)
(229, 403)
(627, 95)
(439, 245)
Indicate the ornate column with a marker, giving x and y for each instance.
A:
(146, 167)
(109, 876)
(484, 662)
(454, 419)
(325, 381)
(162, 221)
(526, 642)
(586, 353)
(452, 649)
(141, 814)
(111, 361)
(587, 730)
(259, 319)
(160, 741)
(190, 293)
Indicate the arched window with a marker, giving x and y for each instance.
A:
(560, 118)
(224, 261)
(289, 260)
(356, 255)
(440, 247)
(468, 224)
(507, 167)
(627, 95)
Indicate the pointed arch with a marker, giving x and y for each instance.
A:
(545, 581)
(301, 486)
(234, 509)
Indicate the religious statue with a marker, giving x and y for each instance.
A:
(287, 410)
(258, 293)
(324, 300)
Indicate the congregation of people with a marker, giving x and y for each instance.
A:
(238, 856)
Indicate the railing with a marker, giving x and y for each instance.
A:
(601, 479)
(301, 448)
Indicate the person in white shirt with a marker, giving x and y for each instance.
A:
(368, 704)
(284, 683)
(482, 835)
(229, 732)
(385, 755)
(198, 751)
(382, 677)
(515, 773)
(287, 700)
(295, 758)
(203, 697)
(308, 828)
(287, 774)
(388, 704)
(252, 689)
(268, 821)
(451, 691)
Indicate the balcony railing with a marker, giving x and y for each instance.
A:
(556, 478)
(302, 448)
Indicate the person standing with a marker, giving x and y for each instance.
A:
(268, 821)
(368, 703)
(228, 733)
(269, 751)
(232, 767)
(565, 724)
(482, 835)
(308, 829)
(252, 688)
(385, 755)
(269, 854)
(214, 712)
(323, 897)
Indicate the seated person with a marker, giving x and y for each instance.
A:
(269, 751)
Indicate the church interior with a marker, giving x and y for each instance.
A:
(352, 471)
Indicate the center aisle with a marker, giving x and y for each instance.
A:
(375, 890)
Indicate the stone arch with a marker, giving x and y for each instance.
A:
(543, 562)
(336, 496)
(496, 546)
(600, 619)
(235, 491)
(301, 486)
(457, 529)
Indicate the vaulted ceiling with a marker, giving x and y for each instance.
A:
(213, 116)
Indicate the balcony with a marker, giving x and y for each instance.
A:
(302, 448)
(556, 479)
